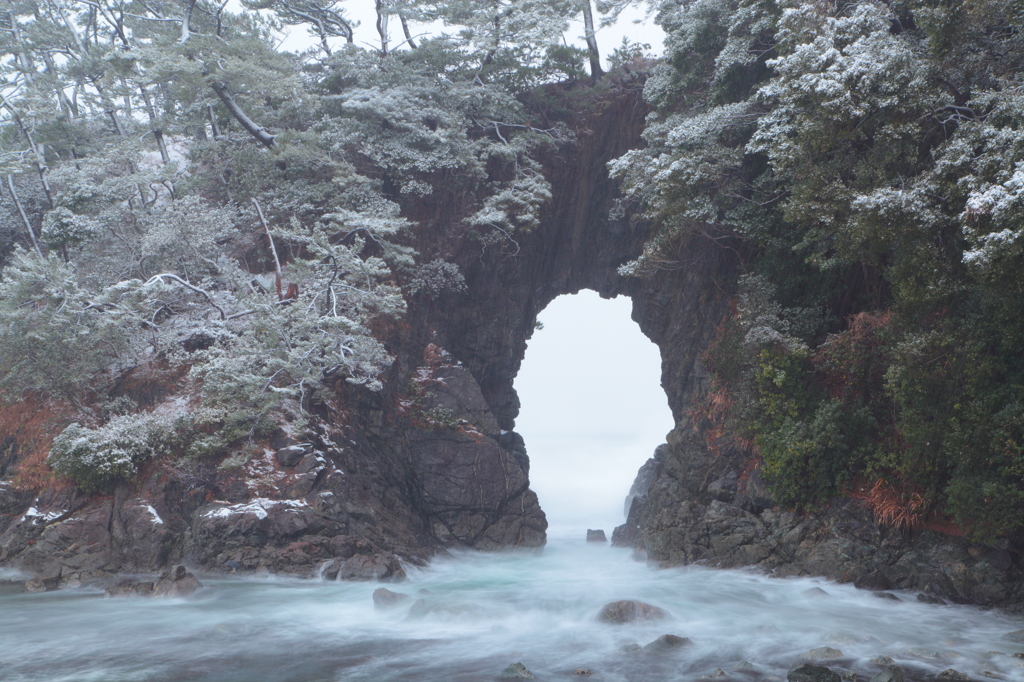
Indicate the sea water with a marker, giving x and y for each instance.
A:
(495, 609)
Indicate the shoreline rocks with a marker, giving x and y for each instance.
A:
(629, 611)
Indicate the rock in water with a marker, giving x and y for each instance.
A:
(383, 598)
(824, 653)
(668, 643)
(950, 674)
(1015, 636)
(629, 611)
(516, 671)
(807, 672)
(176, 582)
(891, 673)
(596, 536)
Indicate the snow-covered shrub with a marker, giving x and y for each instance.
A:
(97, 458)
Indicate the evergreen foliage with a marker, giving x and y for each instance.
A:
(867, 156)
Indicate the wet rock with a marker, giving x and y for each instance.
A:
(378, 566)
(383, 598)
(950, 674)
(930, 599)
(807, 672)
(127, 587)
(291, 455)
(39, 584)
(176, 582)
(516, 671)
(876, 580)
(887, 595)
(882, 660)
(815, 592)
(824, 653)
(630, 648)
(891, 673)
(716, 674)
(629, 611)
(744, 665)
(1015, 636)
(583, 672)
(668, 643)
(596, 536)
(848, 675)
(921, 652)
(840, 638)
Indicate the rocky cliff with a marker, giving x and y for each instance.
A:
(433, 462)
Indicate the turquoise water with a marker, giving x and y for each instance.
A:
(535, 608)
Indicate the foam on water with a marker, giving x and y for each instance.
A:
(536, 608)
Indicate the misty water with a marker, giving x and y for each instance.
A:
(537, 608)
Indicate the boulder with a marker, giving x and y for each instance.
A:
(950, 674)
(824, 653)
(808, 672)
(596, 536)
(629, 611)
(724, 489)
(668, 643)
(1015, 636)
(516, 671)
(891, 673)
(882, 660)
(176, 582)
(876, 580)
(383, 598)
(291, 455)
(378, 566)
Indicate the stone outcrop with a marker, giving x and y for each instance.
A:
(376, 480)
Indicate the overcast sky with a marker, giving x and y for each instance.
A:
(592, 410)
(632, 24)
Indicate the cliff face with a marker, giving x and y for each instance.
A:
(433, 461)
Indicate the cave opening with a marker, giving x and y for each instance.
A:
(593, 410)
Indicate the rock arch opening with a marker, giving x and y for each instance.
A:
(592, 410)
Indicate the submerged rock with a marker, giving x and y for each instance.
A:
(596, 536)
(808, 672)
(383, 598)
(824, 653)
(630, 648)
(176, 582)
(516, 671)
(815, 592)
(882, 660)
(950, 674)
(715, 674)
(629, 611)
(583, 672)
(891, 673)
(668, 643)
(1015, 636)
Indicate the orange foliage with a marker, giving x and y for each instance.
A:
(30, 424)
(893, 508)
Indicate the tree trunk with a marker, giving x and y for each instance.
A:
(595, 57)
(24, 216)
(257, 131)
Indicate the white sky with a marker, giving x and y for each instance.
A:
(633, 24)
(592, 410)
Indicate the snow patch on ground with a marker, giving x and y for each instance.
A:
(152, 511)
(258, 506)
(34, 513)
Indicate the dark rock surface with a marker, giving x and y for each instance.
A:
(629, 611)
(668, 643)
(383, 598)
(806, 672)
(596, 536)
